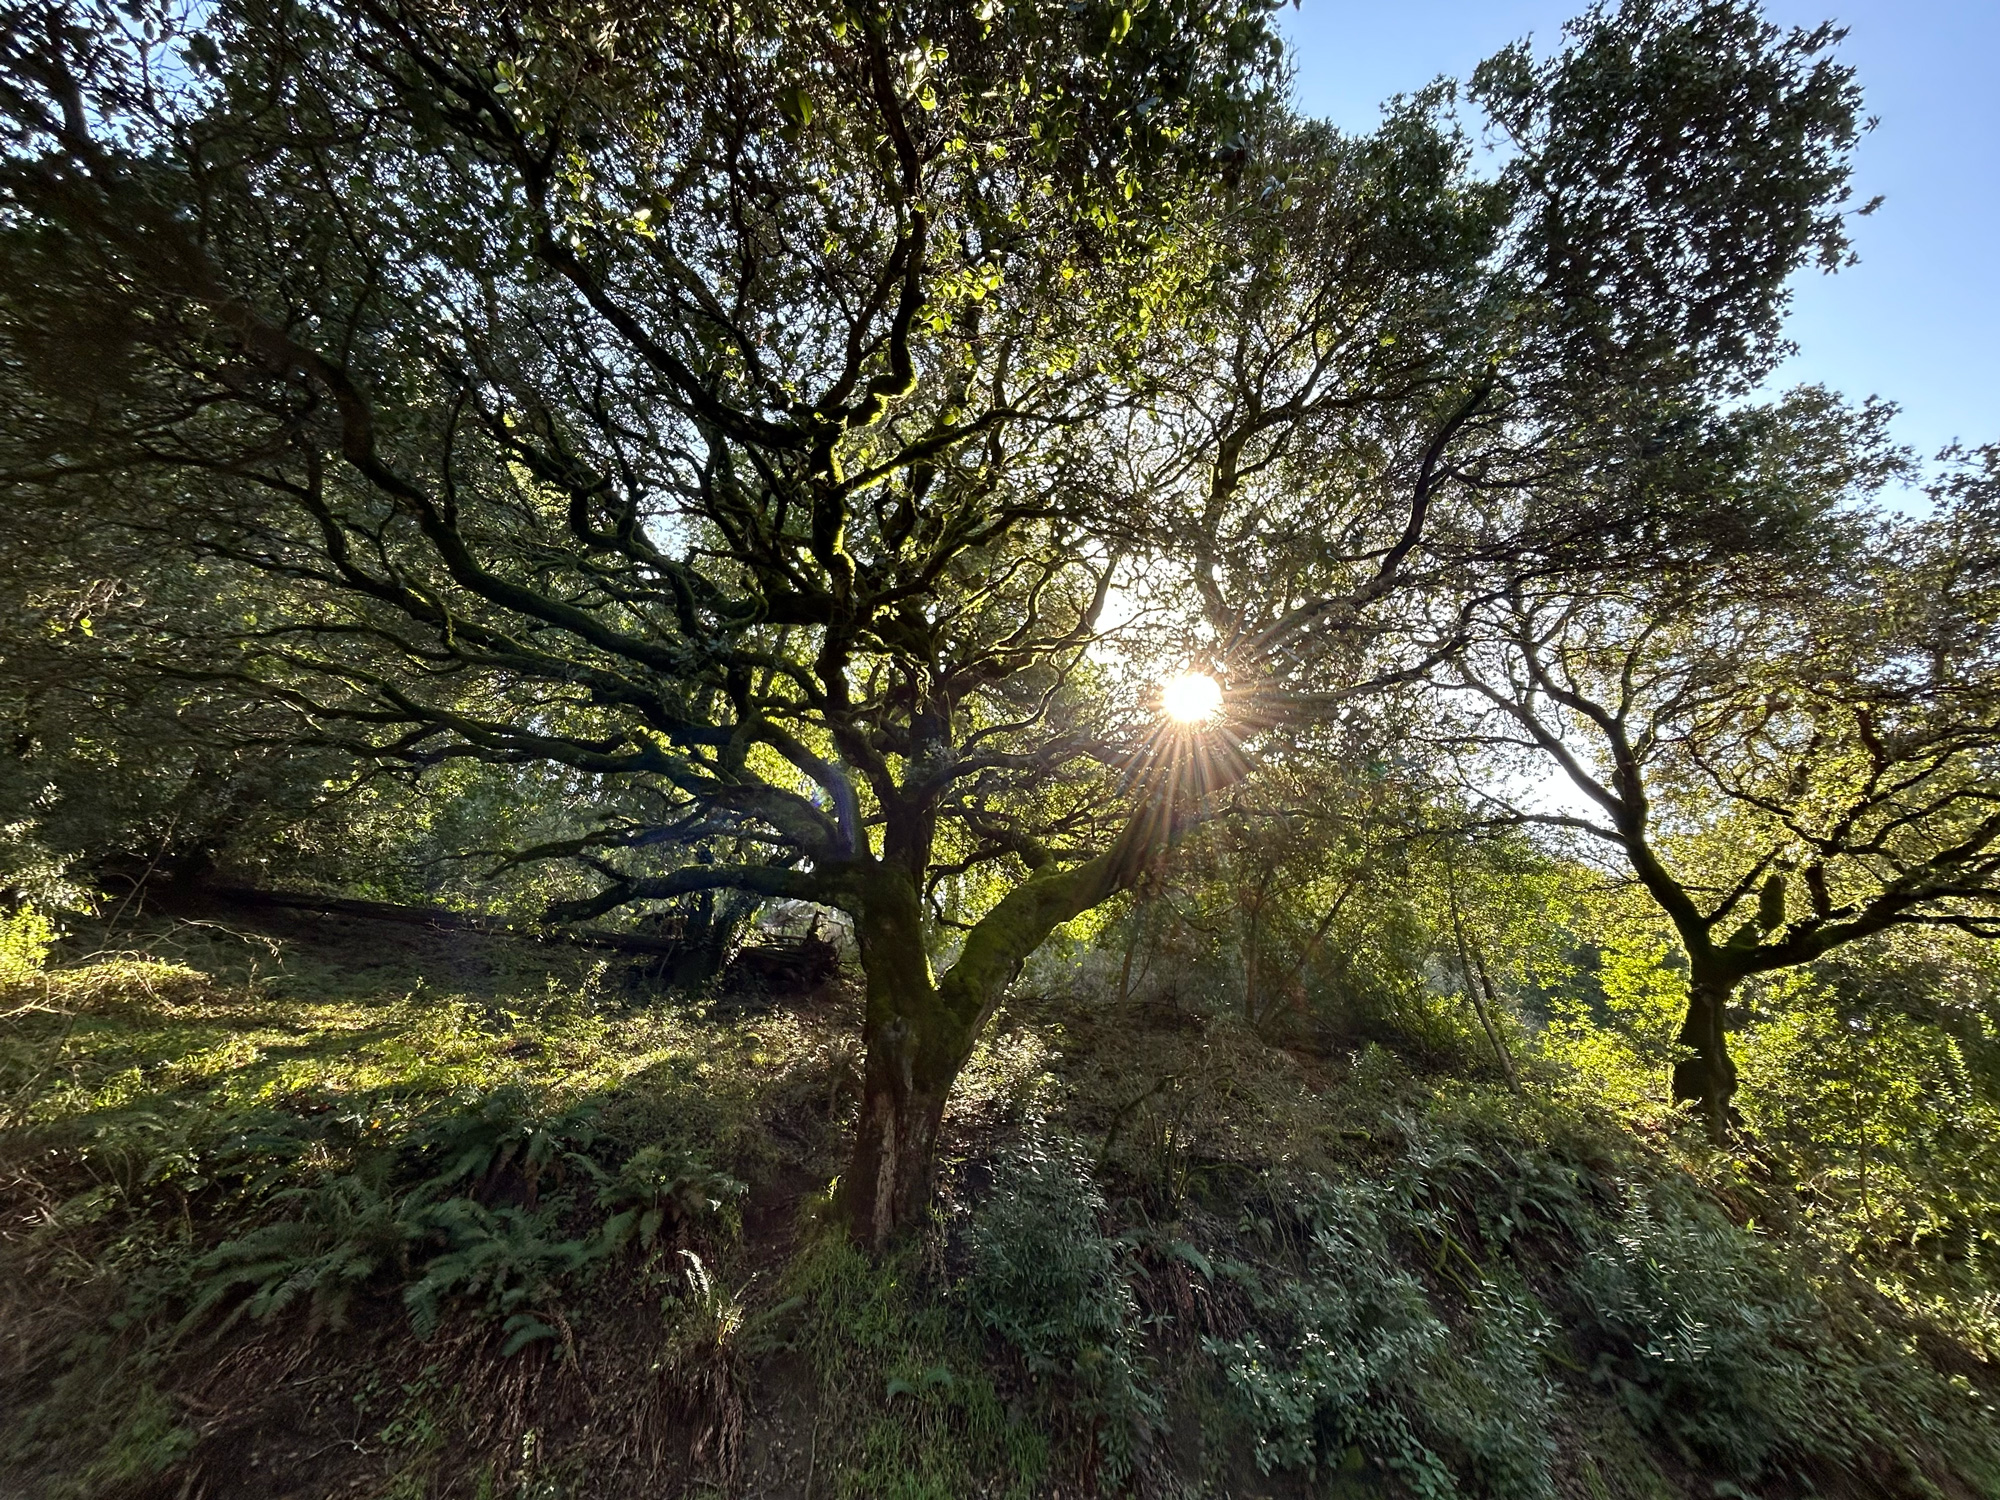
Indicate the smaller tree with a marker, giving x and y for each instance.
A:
(1792, 748)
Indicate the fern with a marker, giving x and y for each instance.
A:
(506, 1131)
(502, 1260)
(656, 1189)
(349, 1233)
(343, 1234)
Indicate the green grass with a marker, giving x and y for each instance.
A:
(904, 1405)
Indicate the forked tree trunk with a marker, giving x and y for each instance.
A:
(1705, 1074)
(915, 1049)
(920, 1029)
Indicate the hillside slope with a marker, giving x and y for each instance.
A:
(323, 1209)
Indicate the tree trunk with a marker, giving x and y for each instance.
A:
(710, 925)
(888, 1183)
(1486, 1014)
(1705, 1075)
(1468, 955)
(921, 1029)
(914, 1052)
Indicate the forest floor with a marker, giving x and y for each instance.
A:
(317, 1206)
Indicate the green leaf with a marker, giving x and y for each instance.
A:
(522, 1330)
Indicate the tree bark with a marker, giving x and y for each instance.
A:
(887, 1187)
(920, 1029)
(1705, 1074)
(912, 1057)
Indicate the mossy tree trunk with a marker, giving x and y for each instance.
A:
(920, 1029)
(1705, 1074)
(911, 1061)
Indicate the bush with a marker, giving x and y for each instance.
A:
(1713, 1343)
(1856, 1080)
(1047, 1281)
(1359, 1361)
(26, 936)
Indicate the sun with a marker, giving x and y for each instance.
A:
(1191, 698)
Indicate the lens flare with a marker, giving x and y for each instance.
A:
(1191, 698)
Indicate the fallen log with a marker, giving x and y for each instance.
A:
(782, 964)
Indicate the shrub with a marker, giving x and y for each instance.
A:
(1047, 1281)
(1615, 1041)
(1352, 1355)
(1354, 1332)
(1713, 1343)
(26, 936)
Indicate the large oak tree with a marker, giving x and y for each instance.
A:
(775, 406)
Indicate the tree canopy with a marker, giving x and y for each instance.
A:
(1792, 749)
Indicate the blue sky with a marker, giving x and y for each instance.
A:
(1918, 320)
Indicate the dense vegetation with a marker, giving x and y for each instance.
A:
(303, 1206)
(793, 749)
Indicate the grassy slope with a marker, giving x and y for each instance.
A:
(273, 1206)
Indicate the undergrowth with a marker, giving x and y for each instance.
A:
(1049, 1284)
(905, 1406)
(533, 1240)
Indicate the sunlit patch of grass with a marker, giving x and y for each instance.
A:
(135, 1077)
(229, 1049)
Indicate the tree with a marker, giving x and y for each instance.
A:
(1791, 747)
(111, 777)
(763, 405)
(1669, 170)
(713, 401)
